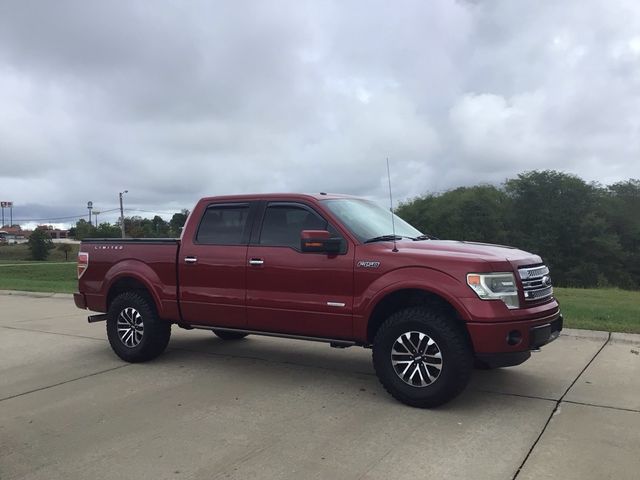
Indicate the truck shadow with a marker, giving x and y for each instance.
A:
(348, 371)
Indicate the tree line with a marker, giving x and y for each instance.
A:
(135, 227)
(587, 233)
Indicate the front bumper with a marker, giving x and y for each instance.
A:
(538, 336)
(518, 336)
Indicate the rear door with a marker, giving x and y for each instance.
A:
(293, 292)
(212, 266)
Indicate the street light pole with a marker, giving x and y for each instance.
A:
(122, 213)
(89, 207)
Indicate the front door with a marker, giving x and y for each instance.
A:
(212, 267)
(293, 292)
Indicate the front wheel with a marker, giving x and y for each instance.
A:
(422, 357)
(135, 332)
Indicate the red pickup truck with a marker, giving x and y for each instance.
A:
(329, 268)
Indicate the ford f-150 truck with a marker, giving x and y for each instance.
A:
(329, 268)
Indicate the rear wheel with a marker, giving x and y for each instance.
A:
(422, 357)
(135, 332)
(226, 335)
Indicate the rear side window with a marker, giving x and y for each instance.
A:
(224, 225)
(282, 225)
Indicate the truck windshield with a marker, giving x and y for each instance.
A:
(368, 221)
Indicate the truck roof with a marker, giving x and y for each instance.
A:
(279, 196)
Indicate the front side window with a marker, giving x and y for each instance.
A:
(224, 225)
(282, 225)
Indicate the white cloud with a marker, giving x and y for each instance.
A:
(174, 102)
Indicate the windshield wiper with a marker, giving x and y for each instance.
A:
(385, 238)
(424, 237)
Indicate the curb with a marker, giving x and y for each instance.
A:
(21, 293)
(586, 334)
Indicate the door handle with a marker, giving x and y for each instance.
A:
(190, 259)
(256, 261)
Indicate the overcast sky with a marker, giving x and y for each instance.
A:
(176, 100)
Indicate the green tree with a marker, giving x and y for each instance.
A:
(40, 244)
(466, 213)
(588, 234)
(82, 230)
(106, 230)
(177, 222)
(66, 249)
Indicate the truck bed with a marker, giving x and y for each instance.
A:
(151, 261)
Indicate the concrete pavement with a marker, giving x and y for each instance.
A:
(272, 408)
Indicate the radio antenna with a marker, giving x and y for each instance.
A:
(393, 223)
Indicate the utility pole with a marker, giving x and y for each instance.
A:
(122, 213)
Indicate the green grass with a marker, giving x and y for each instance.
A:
(39, 277)
(20, 253)
(608, 309)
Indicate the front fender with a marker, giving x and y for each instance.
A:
(418, 278)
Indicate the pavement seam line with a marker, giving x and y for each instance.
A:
(64, 383)
(557, 405)
(51, 333)
(509, 394)
(602, 406)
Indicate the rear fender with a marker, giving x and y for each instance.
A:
(142, 273)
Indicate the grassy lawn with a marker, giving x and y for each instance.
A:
(606, 309)
(39, 277)
(20, 253)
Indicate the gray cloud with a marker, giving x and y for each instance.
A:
(174, 101)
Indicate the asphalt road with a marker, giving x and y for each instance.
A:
(271, 408)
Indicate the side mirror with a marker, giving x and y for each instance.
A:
(319, 241)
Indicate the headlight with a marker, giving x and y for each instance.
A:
(495, 286)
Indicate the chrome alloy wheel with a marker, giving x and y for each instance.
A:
(130, 327)
(416, 359)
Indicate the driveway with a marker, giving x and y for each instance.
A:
(272, 408)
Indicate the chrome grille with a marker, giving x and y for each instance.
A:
(536, 283)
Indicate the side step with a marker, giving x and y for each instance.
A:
(333, 342)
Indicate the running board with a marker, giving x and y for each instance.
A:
(97, 318)
(333, 342)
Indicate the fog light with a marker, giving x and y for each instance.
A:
(514, 337)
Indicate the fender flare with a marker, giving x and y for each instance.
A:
(405, 278)
(138, 271)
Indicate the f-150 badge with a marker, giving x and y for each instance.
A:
(367, 264)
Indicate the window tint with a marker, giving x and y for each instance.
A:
(223, 225)
(282, 225)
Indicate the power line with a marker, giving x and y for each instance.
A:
(59, 218)
(72, 217)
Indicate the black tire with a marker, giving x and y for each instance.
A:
(139, 345)
(455, 363)
(226, 335)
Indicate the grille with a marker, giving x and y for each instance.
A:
(536, 283)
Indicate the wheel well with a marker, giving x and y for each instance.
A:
(401, 299)
(128, 284)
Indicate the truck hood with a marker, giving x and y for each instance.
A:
(497, 255)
